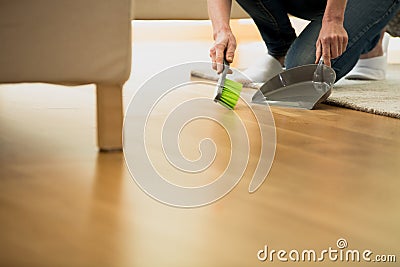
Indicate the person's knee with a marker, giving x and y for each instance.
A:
(297, 57)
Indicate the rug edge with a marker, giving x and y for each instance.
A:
(338, 103)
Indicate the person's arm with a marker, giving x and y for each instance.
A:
(219, 12)
(333, 38)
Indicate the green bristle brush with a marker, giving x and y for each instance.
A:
(228, 91)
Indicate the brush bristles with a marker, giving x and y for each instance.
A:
(230, 94)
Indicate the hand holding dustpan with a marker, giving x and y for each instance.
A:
(300, 87)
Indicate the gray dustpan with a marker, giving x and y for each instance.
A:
(295, 88)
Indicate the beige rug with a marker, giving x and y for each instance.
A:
(378, 97)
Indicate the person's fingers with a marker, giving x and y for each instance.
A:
(326, 52)
(345, 40)
(318, 52)
(230, 51)
(219, 57)
(327, 58)
(212, 56)
(342, 44)
(334, 45)
(340, 47)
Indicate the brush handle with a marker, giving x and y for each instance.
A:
(221, 80)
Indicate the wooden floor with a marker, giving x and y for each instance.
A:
(335, 175)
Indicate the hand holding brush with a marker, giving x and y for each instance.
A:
(227, 91)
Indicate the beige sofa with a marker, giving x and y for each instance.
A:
(76, 42)
(71, 42)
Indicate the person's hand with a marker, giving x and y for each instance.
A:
(331, 43)
(224, 41)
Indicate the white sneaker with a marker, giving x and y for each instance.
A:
(371, 68)
(262, 71)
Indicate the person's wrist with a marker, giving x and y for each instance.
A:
(333, 19)
(221, 30)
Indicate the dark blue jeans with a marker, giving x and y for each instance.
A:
(363, 21)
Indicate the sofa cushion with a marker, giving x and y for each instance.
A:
(65, 41)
